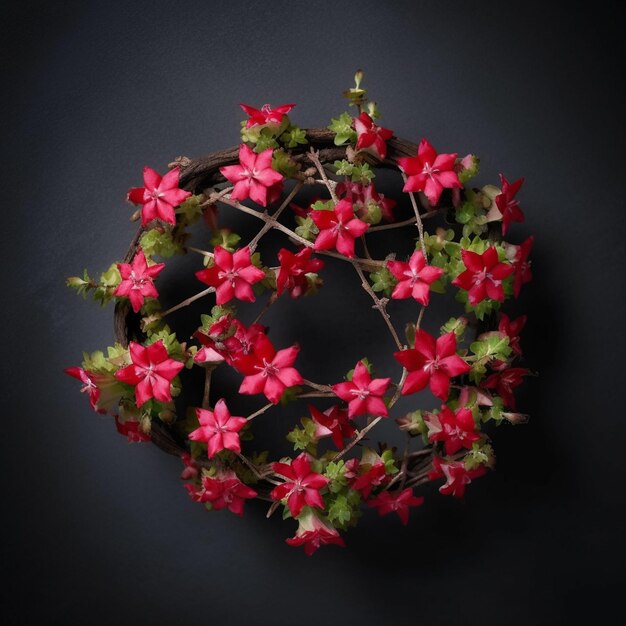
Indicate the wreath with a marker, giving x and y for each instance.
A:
(469, 371)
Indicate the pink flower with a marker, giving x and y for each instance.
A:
(414, 278)
(363, 477)
(363, 197)
(137, 279)
(507, 204)
(521, 264)
(191, 467)
(232, 275)
(429, 172)
(131, 429)
(338, 228)
(302, 487)
(89, 385)
(431, 362)
(222, 344)
(512, 329)
(266, 115)
(151, 372)
(457, 429)
(363, 394)
(399, 501)
(253, 176)
(218, 429)
(293, 271)
(483, 276)
(267, 371)
(457, 477)
(224, 491)
(313, 532)
(505, 381)
(333, 423)
(159, 196)
(371, 137)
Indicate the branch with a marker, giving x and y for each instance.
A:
(418, 219)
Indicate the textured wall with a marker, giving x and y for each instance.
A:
(98, 531)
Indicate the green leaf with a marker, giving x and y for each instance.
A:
(226, 239)
(383, 280)
(293, 137)
(284, 164)
(306, 228)
(342, 127)
(155, 242)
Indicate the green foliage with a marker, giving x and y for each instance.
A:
(456, 324)
(342, 127)
(306, 228)
(469, 172)
(358, 172)
(226, 239)
(159, 242)
(335, 471)
(304, 438)
(190, 210)
(284, 164)
(293, 137)
(480, 454)
(383, 280)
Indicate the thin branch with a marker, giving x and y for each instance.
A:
(207, 385)
(358, 438)
(418, 219)
(262, 410)
(408, 222)
(378, 304)
(314, 158)
(188, 301)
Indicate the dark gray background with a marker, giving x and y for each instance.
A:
(98, 531)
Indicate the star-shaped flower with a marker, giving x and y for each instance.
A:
(150, 372)
(137, 280)
(266, 115)
(218, 429)
(159, 195)
(232, 275)
(338, 228)
(414, 278)
(363, 394)
(507, 205)
(371, 137)
(431, 362)
(398, 501)
(430, 172)
(253, 176)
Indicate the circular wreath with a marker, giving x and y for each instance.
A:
(469, 370)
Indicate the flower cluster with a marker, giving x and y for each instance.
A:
(462, 378)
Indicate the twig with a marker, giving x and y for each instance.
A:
(358, 438)
(378, 304)
(262, 410)
(418, 219)
(188, 301)
(207, 385)
(314, 158)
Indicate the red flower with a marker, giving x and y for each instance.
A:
(266, 115)
(313, 533)
(431, 362)
(302, 485)
(371, 137)
(512, 330)
(505, 381)
(191, 467)
(364, 477)
(399, 501)
(224, 491)
(363, 197)
(293, 271)
(137, 279)
(131, 429)
(521, 264)
(218, 429)
(457, 429)
(483, 276)
(414, 278)
(221, 344)
(268, 371)
(338, 228)
(253, 176)
(363, 394)
(151, 372)
(429, 172)
(457, 477)
(89, 385)
(232, 275)
(333, 423)
(507, 204)
(159, 196)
